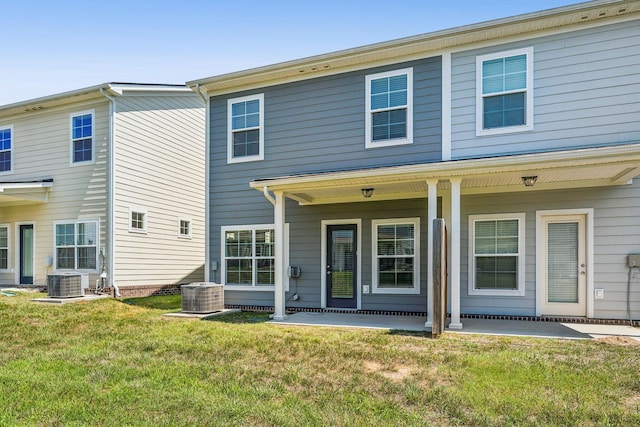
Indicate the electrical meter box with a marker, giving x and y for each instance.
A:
(633, 260)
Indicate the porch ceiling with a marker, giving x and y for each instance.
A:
(606, 166)
(24, 193)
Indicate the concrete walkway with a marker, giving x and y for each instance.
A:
(470, 326)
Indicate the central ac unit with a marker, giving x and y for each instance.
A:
(64, 285)
(202, 297)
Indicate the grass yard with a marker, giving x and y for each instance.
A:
(111, 362)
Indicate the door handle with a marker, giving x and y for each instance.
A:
(328, 269)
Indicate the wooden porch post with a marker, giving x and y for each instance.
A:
(432, 212)
(455, 254)
(279, 245)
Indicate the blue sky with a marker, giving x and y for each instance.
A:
(52, 46)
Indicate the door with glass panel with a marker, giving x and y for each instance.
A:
(564, 272)
(26, 254)
(341, 265)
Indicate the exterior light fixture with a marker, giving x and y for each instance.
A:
(529, 181)
(367, 192)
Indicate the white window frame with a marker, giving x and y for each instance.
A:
(528, 126)
(180, 234)
(145, 221)
(253, 286)
(520, 289)
(369, 143)
(415, 221)
(10, 128)
(260, 128)
(72, 140)
(8, 248)
(75, 223)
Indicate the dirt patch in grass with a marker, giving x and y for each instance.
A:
(625, 341)
(397, 373)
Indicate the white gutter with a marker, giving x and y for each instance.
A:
(111, 190)
(270, 198)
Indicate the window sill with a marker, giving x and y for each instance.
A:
(83, 163)
(131, 230)
(504, 130)
(387, 143)
(249, 288)
(497, 293)
(389, 291)
(244, 159)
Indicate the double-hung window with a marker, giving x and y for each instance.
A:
(396, 256)
(504, 101)
(6, 149)
(496, 252)
(389, 112)
(82, 137)
(76, 245)
(245, 138)
(249, 258)
(4, 247)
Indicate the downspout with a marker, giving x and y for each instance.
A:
(269, 197)
(111, 207)
(207, 177)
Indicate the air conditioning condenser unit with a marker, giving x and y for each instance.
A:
(203, 297)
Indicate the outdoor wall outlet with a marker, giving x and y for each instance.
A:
(599, 294)
(365, 289)
(296, 297)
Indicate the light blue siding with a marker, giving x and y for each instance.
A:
(586, 91)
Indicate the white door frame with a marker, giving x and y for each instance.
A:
(17, 253)
(323, 259)
(540, 254)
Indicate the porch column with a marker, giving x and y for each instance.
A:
(455, 254)
(432, 212)
(279, 245)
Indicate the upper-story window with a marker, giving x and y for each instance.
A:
(504, 101)
(245, 138)
(6, 148)
(82, 136)
(389, 115)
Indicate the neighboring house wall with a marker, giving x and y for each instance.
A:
(41, 150)
(311, 126)
(616, 213)
(586, 90)
(160, 173)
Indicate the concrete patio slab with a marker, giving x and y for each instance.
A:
(182, 315)
(72, 300)
(470, 326)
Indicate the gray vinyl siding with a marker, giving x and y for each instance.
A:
(305, 236)
(616, 227)
(160, 152)
(586, 90)
(313, 126)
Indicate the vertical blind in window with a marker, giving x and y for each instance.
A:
(562, 262)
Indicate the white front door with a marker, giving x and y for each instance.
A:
(564, 269)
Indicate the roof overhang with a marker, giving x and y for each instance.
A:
(583, 168)
(24, 193)
(420, 46)
(92, 93)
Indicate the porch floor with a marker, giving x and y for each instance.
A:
(470, 326)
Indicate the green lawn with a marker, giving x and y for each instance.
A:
(111, 362)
